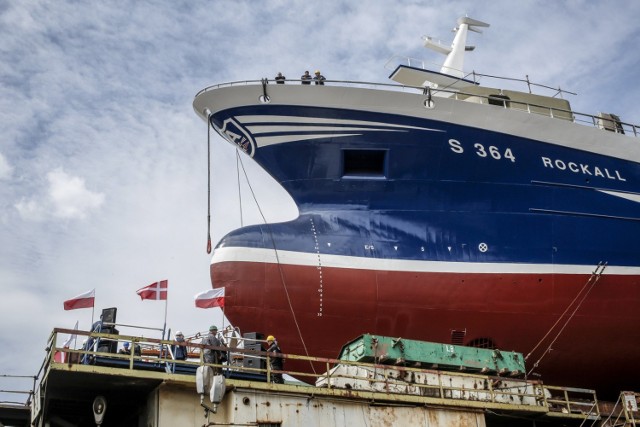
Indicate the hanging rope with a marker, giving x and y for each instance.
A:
(612, 412)
(239, 189)
(588, 286)
(591, 413)
(265, 97)
(208, 181)
(275, 249)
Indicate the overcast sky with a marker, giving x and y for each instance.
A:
(103, 173)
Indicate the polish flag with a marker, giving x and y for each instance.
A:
(155, 291)
(85, 300)
(211, 298)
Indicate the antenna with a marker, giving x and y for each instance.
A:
(455, 54)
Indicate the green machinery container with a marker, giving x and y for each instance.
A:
(403, 352)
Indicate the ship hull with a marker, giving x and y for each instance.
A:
(419, 222)
(568, 324)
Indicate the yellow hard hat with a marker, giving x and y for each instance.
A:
(271, 338)
(317, 71)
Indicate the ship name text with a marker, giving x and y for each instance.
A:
(484, 151)
(496, 153)
(582, 168)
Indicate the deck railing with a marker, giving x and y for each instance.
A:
(603, 122)
(527, 396)
(16, 385)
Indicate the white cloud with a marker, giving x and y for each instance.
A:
(69, 196)
(30, 209)
(5, 168)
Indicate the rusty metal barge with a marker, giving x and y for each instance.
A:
(99, 386)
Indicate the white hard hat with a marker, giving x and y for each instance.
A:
(179, 333)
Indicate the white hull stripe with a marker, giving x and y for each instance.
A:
(263, 141)
(262, 119)
(308, 128)
(634, 197)
(258, 255)
(262, 129)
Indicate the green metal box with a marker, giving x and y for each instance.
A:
(369, 348)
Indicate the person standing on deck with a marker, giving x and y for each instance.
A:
(212, 355)
(306, 78)
(319, 78)
(179, 350)
(277, 363)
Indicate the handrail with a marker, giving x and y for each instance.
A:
(409, 60)
(29, 392)
(498, 390)
(629, 402)
(577, 117)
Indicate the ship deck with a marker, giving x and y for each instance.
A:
(523, 101)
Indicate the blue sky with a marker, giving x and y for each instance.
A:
(103, 161)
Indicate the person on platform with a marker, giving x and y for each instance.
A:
(319, 78)
(277, 363)
(179, 350)
(212, 355)
(91, 342)
(280, 79)
(306, 78)
(125, 349)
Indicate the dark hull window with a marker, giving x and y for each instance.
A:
(364, 163)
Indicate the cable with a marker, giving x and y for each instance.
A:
(595, 277)
(209, 182)
(239, 189)
(275, 249)
(563, 314)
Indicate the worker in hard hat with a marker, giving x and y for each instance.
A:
(179, 350)
(125, 349)
(277, 362)
(212, 355)
(319, 78)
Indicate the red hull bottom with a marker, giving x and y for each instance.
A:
(316, 313)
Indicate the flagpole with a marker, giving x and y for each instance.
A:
(93, 307)
(75, 336)
(166, 303)
(223, 317)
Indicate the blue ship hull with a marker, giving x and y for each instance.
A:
(464, 220)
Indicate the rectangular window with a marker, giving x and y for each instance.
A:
(364, 163)
(500, 100)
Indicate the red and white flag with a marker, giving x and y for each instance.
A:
(156, 291)
(72, 337)
(85, 300)
(211, 298)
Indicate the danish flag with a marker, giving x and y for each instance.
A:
(155, 291)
